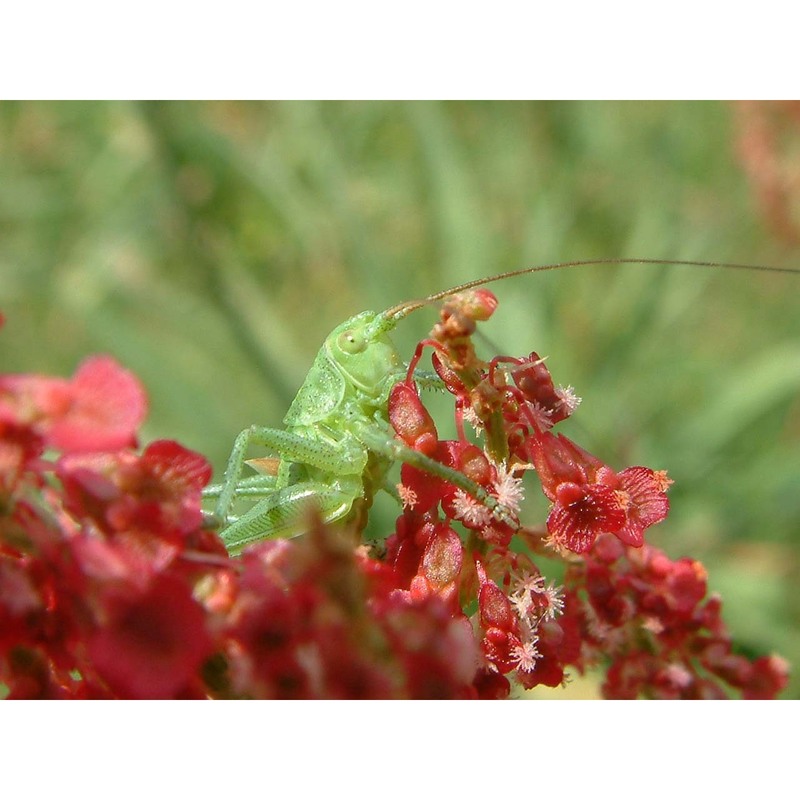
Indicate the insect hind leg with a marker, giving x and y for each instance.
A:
(281, 514)
(252, 486)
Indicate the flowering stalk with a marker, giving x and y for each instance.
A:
(624, 606)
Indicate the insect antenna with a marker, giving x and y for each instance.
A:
(404, 309)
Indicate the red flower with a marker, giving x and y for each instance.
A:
(159, 491)
(152, 644)
(589, 498)
(100, 409)
(643, 493)
(106, 406)
(581, 513)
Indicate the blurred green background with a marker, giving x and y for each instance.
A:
(211, 246)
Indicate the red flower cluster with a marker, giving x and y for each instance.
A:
(515, 404)
(94, 600)
(314, 618)
(649, 616)
(111, 587)
(530, 630)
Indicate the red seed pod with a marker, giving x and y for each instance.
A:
(472, 462)
(581, 512)
(495, 609)
(646, 501)
(444, 556)
(533, 379)
(411, 420)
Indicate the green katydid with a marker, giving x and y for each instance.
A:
(337, 445)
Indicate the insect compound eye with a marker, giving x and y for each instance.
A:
(351, 342)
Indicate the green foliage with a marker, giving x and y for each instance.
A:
(212, 246)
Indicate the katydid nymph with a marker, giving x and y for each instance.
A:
(338, 445)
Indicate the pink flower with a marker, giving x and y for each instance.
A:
(106, 406)
(158, 491)
(99, 409)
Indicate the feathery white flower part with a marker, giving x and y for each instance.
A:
(521, 598)
(521, 603)
(528, 584)
(541, 414)
(407, 496)
(555, 601)
(566, 394)
(508, 488)
(468, 415)
(525, 654)
(470, 510)
(549, 600)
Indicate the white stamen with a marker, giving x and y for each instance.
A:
(468, 415)
(407, 496)
(525, 655)
(568, 397)
(470, 510)
(508, 488)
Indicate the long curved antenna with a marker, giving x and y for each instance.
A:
(404, 309)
